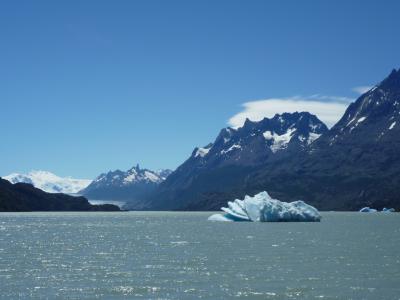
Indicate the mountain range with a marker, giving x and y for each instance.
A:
(236, 151)
(242, 147)
(294, 156)
(132, 185)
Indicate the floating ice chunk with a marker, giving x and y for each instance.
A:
(219, 217)
(262, 208)
(388, 209)
(367, 209)
(226, 218)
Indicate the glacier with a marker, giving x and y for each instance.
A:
(49, 182)
(263, 208)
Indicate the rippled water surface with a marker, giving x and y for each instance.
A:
(158, 255)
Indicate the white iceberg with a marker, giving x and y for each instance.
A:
(388, 209)
(367, 209)
(219, 217)
(262, 208)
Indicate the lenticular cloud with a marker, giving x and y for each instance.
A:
(328, 109)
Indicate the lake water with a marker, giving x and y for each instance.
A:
(161, 255)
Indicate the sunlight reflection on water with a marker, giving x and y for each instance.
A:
(153, 255)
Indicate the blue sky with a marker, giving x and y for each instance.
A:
(89, 86)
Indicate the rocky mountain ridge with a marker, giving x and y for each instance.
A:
(354, 164)
(132, 185)
(238, 150)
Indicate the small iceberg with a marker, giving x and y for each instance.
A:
(367, 209)
(388, 209)
(262, 208)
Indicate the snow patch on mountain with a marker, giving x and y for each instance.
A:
(231, 148)
(130, 178)
(152, 176)
(50, 182)
(202, 152)
(361, 119)
(312, 137)
(279, 142)
(163, 173)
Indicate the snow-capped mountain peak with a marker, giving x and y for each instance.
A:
(234, 152)
(50, 182)
(131, 176)
(376, 112)
(265, 137)
(129, 185)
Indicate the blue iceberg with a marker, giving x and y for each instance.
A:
(262, 208)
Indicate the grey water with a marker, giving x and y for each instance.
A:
(161, 255)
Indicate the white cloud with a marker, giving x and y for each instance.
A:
(329, 109)
(361, 89)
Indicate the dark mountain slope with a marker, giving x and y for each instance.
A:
(355, 164)
(25, 197)
(225, 164)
